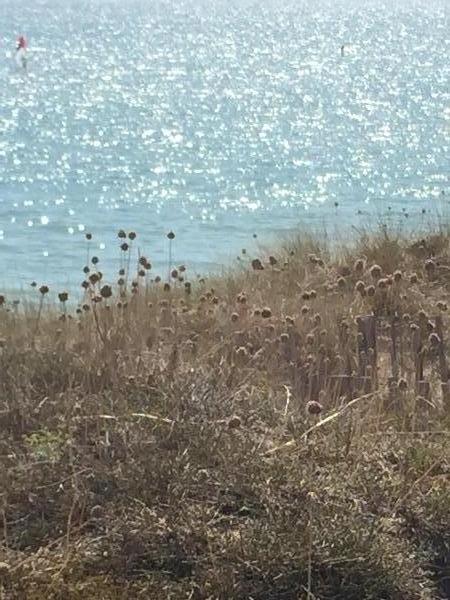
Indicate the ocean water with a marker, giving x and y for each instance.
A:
(217, 120)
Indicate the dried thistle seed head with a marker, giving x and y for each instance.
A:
(273, 261)
(157, 279)
(312, 294)
(413, 279)
(310, 339)
(63, 296)
(358, 267)
(86, 270)
(85, 284)
(313, 407)
(406, 317)
(434, 340)
(422, 315)
(94, 260)
(94, 278)
(122, 235)
(442, 306)
(370, 290)
(182, 268)
(430, 326)
(289, 320)
(382, 284)
(398, 276)
(375, 271)
(44, 289)
(174, 274)
(86, 307)
(96, 299)
(257, 312)
(266, 313)
(234, 317)
(88, 236)
(341, 283)
(360, 287)
(242, 298)
(215, 300)
(142, 273)
(306, 296)
(132, 235)
(304, 310)
(121, 282)
(33, 284)
(402, 385)
(167, 287)
(124, 247)
(284, 338)
(142, 261)
(257, 265)
(106, 291)
(171, 235)
(234, 422)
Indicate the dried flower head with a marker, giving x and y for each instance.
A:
(266, 313)
(63, 296)
(174, 274)
(94, 260)
(234, 422)
(122, 235)
(171, 235)
(402, 385)
(124, 247)
(398, 276)
(167, 287)
(44, 289)
(370, 290)
(132, 235)
(313, 407)
(434, 340)
(375, 271)
(413, 279)
(88, 236)
(341, 283)
(273, 261)
(257, 265)
(359, 265)
(106, 291)
(441, 306)
(360, 287)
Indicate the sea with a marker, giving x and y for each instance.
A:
(233, 124)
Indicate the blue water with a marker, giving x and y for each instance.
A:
(215, 119)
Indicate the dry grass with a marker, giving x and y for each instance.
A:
(169, 442)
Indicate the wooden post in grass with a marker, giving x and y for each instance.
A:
(443, 367)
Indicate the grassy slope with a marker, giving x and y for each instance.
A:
(154, 447)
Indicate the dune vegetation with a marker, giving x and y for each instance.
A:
(278, 433)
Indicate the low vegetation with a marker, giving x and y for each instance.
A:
(231, 438)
